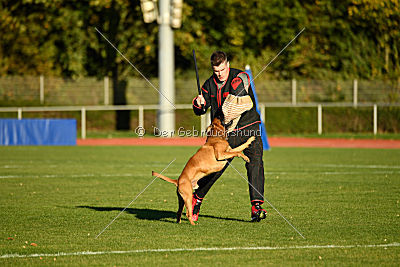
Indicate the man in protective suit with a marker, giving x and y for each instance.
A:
(230, 90)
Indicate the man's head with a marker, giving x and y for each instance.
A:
(220, 65)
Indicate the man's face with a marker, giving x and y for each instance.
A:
(222, 71)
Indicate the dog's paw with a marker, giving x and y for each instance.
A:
(245, 158)
(251, 139)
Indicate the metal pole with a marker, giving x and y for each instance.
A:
(262, 111)
(375, 119)
(205, 122)
(20, 113)
(355, 92)
(203, 125)
(166, 113)
(208, 117)
(319, 119)
(41, 89)
(141, 117)
(83, 123)
(106, 91)
(294, 97)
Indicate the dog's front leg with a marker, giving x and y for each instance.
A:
(243, 146)
(243, 156)
(228, 155)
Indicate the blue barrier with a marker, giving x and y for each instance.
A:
(52, 132)
(264, 136)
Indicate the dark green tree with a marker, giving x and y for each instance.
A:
(40, 37)
(121, 22)
(343, 39)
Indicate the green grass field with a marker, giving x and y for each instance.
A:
(60, 198)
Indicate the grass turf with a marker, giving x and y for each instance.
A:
(60, 198)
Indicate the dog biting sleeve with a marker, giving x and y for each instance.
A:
(233, 108)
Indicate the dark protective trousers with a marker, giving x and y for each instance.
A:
(255, 168)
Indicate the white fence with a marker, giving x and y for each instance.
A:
(205, 118)
(92, 91)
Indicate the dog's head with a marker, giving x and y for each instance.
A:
(216, 129)
(220, 115)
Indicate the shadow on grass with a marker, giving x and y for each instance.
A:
(155, 215)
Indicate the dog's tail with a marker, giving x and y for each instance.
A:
(165, 178)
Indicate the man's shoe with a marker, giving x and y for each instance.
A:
(196, 203)
(257, 213)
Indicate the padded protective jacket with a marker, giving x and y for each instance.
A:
(215, 92)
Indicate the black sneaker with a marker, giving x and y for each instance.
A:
(257, 213)
(196, 203)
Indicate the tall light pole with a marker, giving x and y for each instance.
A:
(166, 114)
(169, 15)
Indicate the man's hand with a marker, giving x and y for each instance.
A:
(200, 100)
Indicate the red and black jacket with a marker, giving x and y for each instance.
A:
(215, 92)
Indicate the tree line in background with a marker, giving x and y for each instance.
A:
(343, 38)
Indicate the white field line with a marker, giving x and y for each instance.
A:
(46, 163)
(176, 175)
(317, 165)
(74, 175)
(85, 253)
(359, 166)
(333, 172)
(374, 172)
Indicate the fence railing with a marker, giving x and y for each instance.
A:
(91, 91)
(205, 119)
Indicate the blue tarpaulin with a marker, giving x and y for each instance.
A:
(262, 125)
(52, 132)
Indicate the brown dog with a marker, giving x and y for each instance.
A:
(208, 159)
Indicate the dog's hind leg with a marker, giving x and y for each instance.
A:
(181, 203)
(189, 210)
(186, 191)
